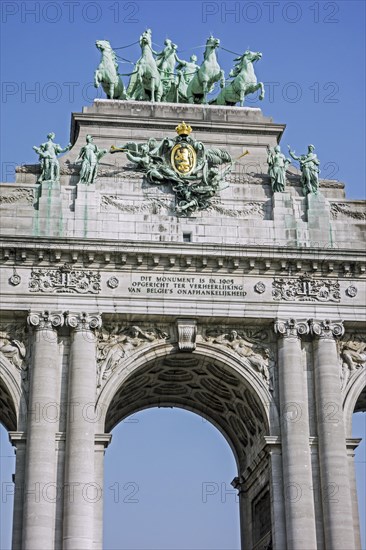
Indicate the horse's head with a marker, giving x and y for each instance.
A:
(103, 45)
(251, 56)
(212, 42)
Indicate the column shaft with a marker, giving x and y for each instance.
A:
(102, 441)
(296, 455)
(18, 440)
(334, 471)
(277, 500)
(80, 487)
(40, 470)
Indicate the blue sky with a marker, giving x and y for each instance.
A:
(313, 68)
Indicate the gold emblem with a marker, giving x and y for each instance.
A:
(183, 158)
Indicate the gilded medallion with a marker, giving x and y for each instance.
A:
(183, 158)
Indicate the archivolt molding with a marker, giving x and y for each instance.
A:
(13, 403)
(209, 381)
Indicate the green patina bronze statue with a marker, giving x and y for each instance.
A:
(163, 76)
(208, 74)
(107, 72)
(89, 157)
(244, 81)
(277, 166)
(186, 164)
(146, 83)
(47, 152)
(309, 166)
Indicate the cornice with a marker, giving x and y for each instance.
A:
(189, 257)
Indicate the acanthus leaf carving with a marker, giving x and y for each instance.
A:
(305, 288)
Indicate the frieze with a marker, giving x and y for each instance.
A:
(65, 279)
(305, 288)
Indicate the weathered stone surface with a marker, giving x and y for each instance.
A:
(188, 307)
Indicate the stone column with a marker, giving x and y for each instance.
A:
(101, 443)
(334, 472)
(80, 487)
(244, 513)
(19, 441)
(40, 469)
(352, 445)
(277, 498)
(296, 455)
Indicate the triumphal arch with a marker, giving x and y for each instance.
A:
(157, 263)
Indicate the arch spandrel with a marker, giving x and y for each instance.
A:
(352, 351)
(209, 382)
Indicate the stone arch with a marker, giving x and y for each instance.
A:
(211, 382)
(354, 398)
(13, 404)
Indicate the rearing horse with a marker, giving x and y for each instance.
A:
(209, 72)
(107, 72)
(146, 82)
(244, 83)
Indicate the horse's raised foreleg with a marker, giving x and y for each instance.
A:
(261, 86)
(222, 79)
(204, 92)
(97, 79)
(152, 81)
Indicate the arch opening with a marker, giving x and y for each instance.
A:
(169, 472)
(206, 387)
(224, 395)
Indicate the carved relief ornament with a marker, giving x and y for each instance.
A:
(327, 329)
(45, 320)
(306, 289)
(83, 321)
(291, 328)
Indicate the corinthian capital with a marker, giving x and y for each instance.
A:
(83, 321)
(46, 320)
(291, 328)
(327, 328)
